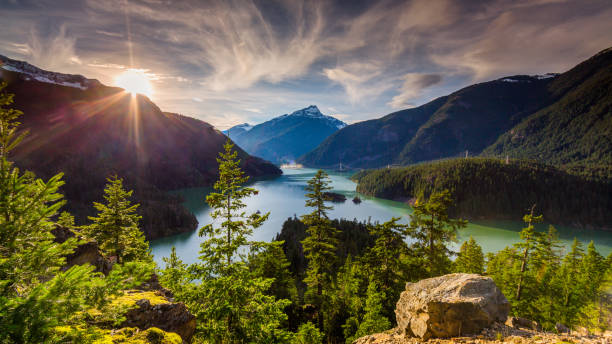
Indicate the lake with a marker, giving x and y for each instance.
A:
(284, 197)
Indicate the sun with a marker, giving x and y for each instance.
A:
(134, 81)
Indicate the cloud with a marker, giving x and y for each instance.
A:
(54, 52)
(361, 81)
(363, 57)
(413, 87)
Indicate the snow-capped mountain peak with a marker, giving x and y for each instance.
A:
(32, 72)
(313, 111)
(244, 126)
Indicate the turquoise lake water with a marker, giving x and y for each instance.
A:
(284, 197)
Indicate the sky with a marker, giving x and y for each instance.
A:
(229, 62)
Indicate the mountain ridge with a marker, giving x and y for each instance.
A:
(284, 138)
(92, 133)
(475, 117)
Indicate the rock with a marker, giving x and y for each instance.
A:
(87, 253)
(561, 328)
(518, 322)
(450, 306)
(170, 317)
(356, 200)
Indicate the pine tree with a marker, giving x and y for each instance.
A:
(530, 238)
(433, 230)
(319, 246)
(470, 258)
(36, 295)
(116, 227)
(230, 302)
(383, 260)
(373, 320)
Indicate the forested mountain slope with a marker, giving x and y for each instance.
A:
(493, 189)
(89, 131)
(575, 128)
(558, 119)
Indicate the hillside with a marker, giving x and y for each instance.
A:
(576, 128)
(563, 118)
(491, 189)
(287, 137)
(89, 131)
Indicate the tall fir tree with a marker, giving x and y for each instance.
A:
(39, 296)
(433, 230)
(373, 320)
(384, 262)
(320, 244)
(470, 258)
(230, 302)
(115, 228)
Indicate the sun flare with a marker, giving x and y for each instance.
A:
(134, 82)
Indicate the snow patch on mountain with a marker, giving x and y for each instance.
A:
(312, 112)
(32, 72)
(244, 126)
(529, 78)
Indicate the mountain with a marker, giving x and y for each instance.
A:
(90, 131)
(285, 138)
(555, 118)
(237, 129)
(577, 128)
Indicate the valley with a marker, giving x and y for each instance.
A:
(284, 198)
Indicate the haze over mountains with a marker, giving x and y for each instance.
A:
(562, 119)
(90, 131)
(285, 138)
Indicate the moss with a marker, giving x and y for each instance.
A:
(126, 335)
(128, 300)
(130, 335)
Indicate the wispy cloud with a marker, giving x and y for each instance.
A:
(222, 59)
(412, 89)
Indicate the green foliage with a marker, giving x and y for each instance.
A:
(491, 188)
(115, 229)
(319, 246)
(373, 320)
(470, 258)
(308, 333)
(38, 295)
(230, 301)
(383, 261)
(433, 230)
(544, 286)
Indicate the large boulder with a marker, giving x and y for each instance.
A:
(450, 306)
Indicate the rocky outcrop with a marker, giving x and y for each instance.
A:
(497, 334)
(449, 306)
(86, 253)
(170, 317)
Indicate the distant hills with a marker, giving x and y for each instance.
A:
(554, 118)
(90, 131)
(287, 137)
(486, 188)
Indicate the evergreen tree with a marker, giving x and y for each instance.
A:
(384, 263)
(228, 300)
(433, 230)
(116, 226)
(470, 258)
(530, 238)
(36, 296)
(308, 333)
(373, 320)
(319, 246)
